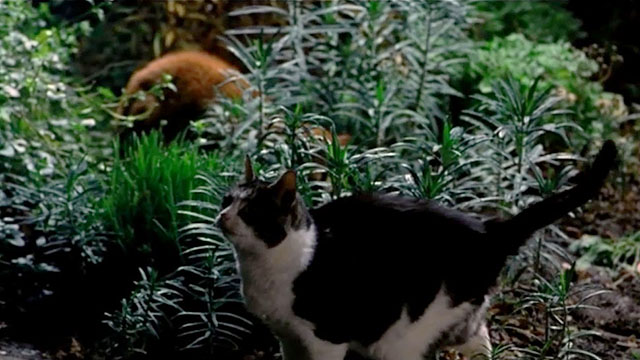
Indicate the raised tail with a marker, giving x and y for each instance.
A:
(518, 228)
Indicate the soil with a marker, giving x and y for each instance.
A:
(614, 214)
(613, 317)
(616, 316)
(18, 351)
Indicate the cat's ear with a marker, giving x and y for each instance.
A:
(248, 169)
(284, 189)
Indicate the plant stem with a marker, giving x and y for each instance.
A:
(425, 61)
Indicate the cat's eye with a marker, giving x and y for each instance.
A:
(226, 201)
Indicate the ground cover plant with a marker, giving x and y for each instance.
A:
(110, 250)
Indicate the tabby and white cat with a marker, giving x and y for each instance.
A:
(392, 277)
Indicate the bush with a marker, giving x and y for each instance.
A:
(557, 65)
(51, 241)
(50, 143)
(145, 188)
(44, 118)
(540, 21)
(135, 226)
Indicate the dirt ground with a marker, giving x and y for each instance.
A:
(18, 351)
(613, 316)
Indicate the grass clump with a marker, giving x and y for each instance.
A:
(185, 297)
(146, 187)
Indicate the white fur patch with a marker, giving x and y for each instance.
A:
(267, 277)
(267, 281)
(409, 341)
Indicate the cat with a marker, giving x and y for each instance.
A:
(391, 277)
(195, 74)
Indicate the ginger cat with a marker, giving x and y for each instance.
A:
(195, 74)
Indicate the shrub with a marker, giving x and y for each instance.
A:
(51, 240)
(541, 21)
(186, 296)
(558, 65)
(51, 237)
(44, 117)
(145, 188)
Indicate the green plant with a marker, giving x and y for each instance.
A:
(161, 207)
(197, 305)
(557, 65)
(518, 122)
(145, 188)
(622, 253)
(51, 242)
(45, 115)
(444, 173)
(541, 21)
(142, 313)
(554, 296)
(52, 142)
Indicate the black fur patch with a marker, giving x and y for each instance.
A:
(267, 219)
(378, 254)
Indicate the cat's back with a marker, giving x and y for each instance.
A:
(391, 235)
(382, 215)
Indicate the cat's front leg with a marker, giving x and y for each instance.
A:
(477, 346)
(293, 348)
(323, 350)
(296, 347)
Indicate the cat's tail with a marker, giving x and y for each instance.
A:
(514, 231)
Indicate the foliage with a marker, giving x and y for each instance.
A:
(558, 65)
(50, 240)
(43, 118)
(194, 307)
(145, 188)
(617, 254)
(520, 120)
(385, 73)
(540, 21)
(555, 298)
(526, 60)
(51, 138)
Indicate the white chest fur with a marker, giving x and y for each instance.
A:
(267, 277)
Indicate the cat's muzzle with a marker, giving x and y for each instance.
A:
(222, 221)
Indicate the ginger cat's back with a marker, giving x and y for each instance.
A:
(195, 74)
